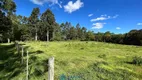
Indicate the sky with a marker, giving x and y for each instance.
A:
(117, 16)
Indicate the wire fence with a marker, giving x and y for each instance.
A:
(20, 64)
(15, 64)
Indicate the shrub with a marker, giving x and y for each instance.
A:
(102, 56)
(137, 60)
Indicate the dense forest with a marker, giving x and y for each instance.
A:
(43, 26)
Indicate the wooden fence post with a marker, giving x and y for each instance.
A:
(27, 76)
(15, 44)
(8, 40)
(51, 68)
(18, 48)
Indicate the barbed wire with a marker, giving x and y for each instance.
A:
(8, 64)
(40, 72)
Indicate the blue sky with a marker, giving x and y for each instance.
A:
(118, 16)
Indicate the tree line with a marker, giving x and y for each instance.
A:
(43, 27)
(133, 37)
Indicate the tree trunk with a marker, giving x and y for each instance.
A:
(47, 35)
(8, 40)
(53, 35)
(36, 36)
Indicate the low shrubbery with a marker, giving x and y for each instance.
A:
(102, 56)
(137, 60)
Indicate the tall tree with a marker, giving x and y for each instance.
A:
(57, 32)
(33, 21)
(83, 33)
(134, 37)
(107, 36)
(21, 28)
(8, 7)
(67, 29)
(49, 23)
(78, 31)
(5, 25)
(72, 33)
(90, 36)
(62, 26)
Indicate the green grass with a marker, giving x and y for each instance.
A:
(76, 60)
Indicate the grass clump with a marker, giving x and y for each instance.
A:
(102, 56)
(137, 60)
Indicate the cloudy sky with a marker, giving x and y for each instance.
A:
(118, 16)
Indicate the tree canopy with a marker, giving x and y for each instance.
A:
(43, 26)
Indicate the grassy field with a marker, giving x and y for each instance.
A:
(74, 60)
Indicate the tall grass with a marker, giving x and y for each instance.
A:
(77, 60)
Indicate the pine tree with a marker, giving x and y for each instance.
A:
(33, 21)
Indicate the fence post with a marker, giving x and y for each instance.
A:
(27, 67)
(15, 44)
(18, 48)
(51, 68)
(22, 54)
(8, 40)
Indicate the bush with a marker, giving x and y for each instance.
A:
(137, 60)
(102, 56)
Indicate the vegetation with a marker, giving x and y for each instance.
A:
(137, 60)
(43, 26)
(81, 54)
(73, 59)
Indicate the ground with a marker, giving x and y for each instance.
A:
(74, 60)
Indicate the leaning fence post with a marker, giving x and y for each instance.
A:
(27, 67)
(18, 49)
(51, 68)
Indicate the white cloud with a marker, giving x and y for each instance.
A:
(115, 16)
(98, 25)
(99, 19)
(90, 15)
(60, 4)
(139, 24)
(118, 28)
(71, 7)
(103, 17)
(38, 2)
(41, 2)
